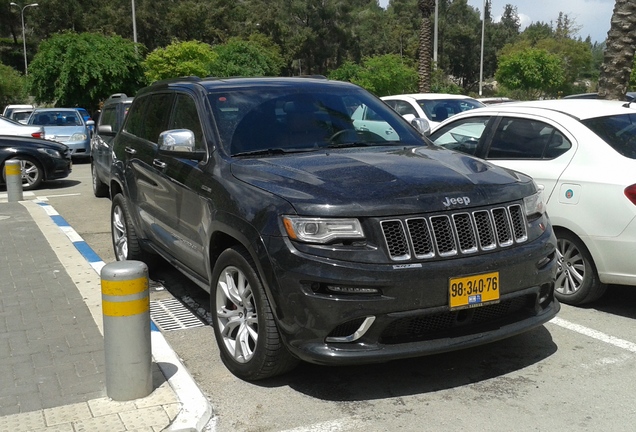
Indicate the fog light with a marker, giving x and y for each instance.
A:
(352, 290)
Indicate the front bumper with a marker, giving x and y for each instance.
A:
(79, 148)
(411, 316)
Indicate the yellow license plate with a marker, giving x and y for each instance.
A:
(473, 291)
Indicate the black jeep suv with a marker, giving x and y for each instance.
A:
(322, 238)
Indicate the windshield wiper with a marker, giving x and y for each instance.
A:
(269, 151)
(361, 144)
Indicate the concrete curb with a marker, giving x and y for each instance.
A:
(196, 411)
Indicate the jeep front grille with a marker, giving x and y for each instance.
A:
(450, 234)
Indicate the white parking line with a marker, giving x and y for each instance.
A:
(620, 343)
(343, 424)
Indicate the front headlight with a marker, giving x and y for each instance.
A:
(50, 152)
(534, 203)
(78, 137)
(319, 230)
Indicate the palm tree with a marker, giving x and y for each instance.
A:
(426, 7)
(619, 53)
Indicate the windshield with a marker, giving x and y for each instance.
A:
(56, 118)
(440, 109)
(619, 131)
(278, 120)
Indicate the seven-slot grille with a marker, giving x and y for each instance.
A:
(448, 234)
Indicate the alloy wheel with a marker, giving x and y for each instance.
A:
(572, 270)
(120, 237)
(236, 314)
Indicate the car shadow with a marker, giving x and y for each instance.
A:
(418, 375)
(618, 300)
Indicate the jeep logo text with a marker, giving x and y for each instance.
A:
(452, 201)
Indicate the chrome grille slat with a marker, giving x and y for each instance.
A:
(449, 234)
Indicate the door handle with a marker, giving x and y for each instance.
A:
(159, 164)
(130, 150)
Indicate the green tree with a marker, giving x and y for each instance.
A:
(255, 57)
(383, 75)
(73, 69)
(179, 59)
(12, 86)
(533, 71)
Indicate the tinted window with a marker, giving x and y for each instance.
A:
(186, 117)
(404, 108)
(518, 138)
(56, 118)
(295, 120)
(618, 131)
(109, 117)
(150, 116)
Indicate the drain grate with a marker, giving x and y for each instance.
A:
(170, 314)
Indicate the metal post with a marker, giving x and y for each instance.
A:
(126, 310)
(13, 175)
(26, 67)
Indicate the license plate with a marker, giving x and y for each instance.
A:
(473, 291)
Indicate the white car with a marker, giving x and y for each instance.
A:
(14, 128)
(434, 107)
(583, 154)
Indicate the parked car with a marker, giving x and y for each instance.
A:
(12, 127)
(583, 154)
(41, 160)
(21, 115)
(113, 114)
(67, 126)
(629, 96)
(87, 117)
(9, 109)
(321, 242)
(434, 107)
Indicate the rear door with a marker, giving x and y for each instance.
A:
(148, 118)
(535, 146)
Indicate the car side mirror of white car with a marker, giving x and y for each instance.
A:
(422, 126)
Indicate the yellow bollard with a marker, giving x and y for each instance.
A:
(126, 315)
(13, 176)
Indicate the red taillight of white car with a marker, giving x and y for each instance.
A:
(630, 193)
(38, 135)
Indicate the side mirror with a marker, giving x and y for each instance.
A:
(105, 129)
(422, 126)
(90, 123)
(180, 143)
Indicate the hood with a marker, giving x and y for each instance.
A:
(381, 181)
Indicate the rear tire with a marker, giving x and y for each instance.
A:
(577, 280)
(100, 189)
(244, 325)
(126, 244)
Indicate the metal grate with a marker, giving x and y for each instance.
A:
(170, 314)
(447, 235)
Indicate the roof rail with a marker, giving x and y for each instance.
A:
(118, 96)
(178, 79)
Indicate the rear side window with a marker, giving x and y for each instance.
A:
(519, 138)
(619, 131)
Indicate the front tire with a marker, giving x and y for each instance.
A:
(577, 280)
(32, 172)
(244, 326)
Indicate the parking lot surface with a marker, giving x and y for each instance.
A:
(576, 373)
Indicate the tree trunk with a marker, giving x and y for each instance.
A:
(619, 53)
(426, 7)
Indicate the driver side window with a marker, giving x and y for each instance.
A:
(462, 135)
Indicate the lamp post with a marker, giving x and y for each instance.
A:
(26, 70)
(134, 23)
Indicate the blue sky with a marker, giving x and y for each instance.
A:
(592, 16)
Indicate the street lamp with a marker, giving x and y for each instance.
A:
(26, 70)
